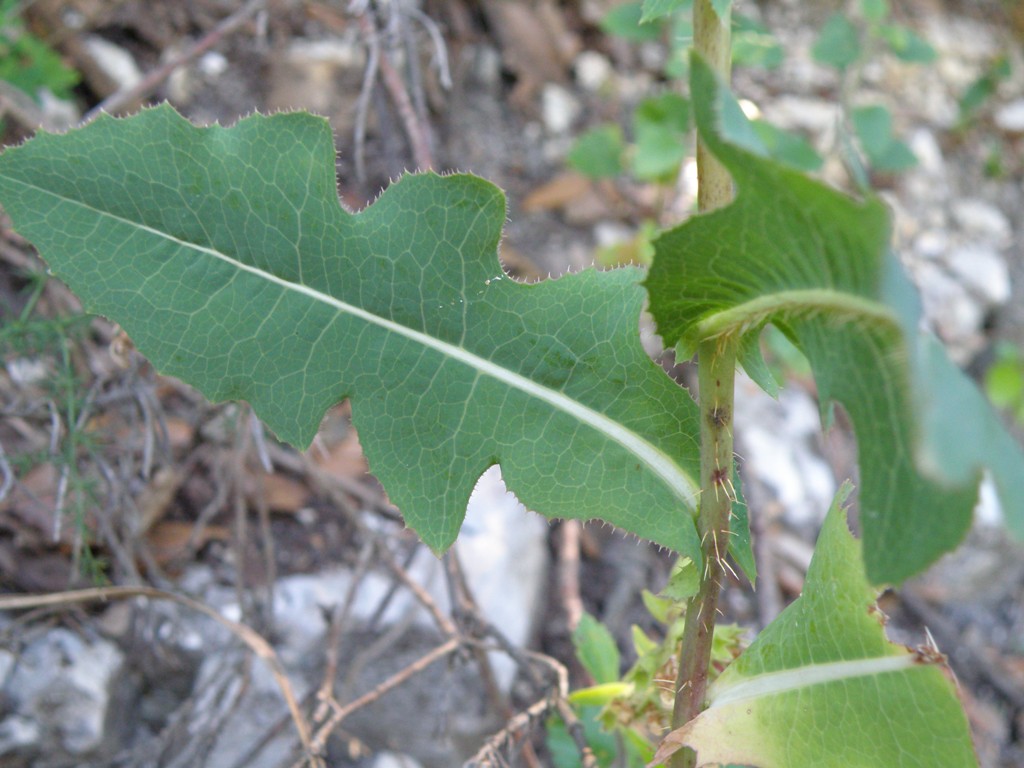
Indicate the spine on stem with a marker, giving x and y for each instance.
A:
(716, 373)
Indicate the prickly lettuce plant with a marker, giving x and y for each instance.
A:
(225, 254)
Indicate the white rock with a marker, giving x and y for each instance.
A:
(593, 70)
(19, 732)
(61, 690)
(982, 270)
(817, 116)
(504, 554)
(926, 148)
(1010, 117)
(212, 64)
(931, 244)
(779, 444)
(559, 108)
(989, 512)
(503, 551)
(608, 233)
(115, 62)
(394, 760)
(26, 371)
(981, 219)
(950, 309)
(960, 39)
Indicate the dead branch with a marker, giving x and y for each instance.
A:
(144, 87)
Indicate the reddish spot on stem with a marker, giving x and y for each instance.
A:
(719, 416)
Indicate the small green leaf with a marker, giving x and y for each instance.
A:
(907, 44)
(874, 11)
(565, 753)
(753, 45)
(982, 89)
(599, 695)
(722, 8)
(794, 252)
(598, 152)
(658, 153)
(668, 110)
(660, 125)
(28, 63)
(596, 650)
(683, 582)
(838, 45)
(656, 9)
(822, 686)
(677, 66)
(626, 21)
(1004, 383)
(642, 644)
(786, 147)
(873, 126)
(658, 607)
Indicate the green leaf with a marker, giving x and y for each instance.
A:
(1004, 380)
(873, 126)
(1004, 383)
(599, 695)
(564, 752)
(823, 686)
(656, 9)
(677, 66)
(598, 152)
(722, 8)
(226, 256)
(874, 11)
(668, 110)
(982, 89)
(29, 64)
(838, 45)
(596, 650)
(907, 44)
(754, 45)
(683, 582)
(660, 125)
(626, 21)
(793, 251)
(786, 147)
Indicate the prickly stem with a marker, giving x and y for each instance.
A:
(716, 372)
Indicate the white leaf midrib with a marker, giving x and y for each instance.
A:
(783, 681)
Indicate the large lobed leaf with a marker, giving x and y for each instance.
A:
(822, 686)
(817, 263)
(226, 255)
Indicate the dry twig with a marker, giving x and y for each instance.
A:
(146, 85)
(342, 711)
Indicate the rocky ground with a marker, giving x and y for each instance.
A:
(258, 541)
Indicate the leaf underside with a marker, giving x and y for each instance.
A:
(794, 252)
(823, 686)
(227, 257)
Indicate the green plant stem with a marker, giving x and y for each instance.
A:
(712, 40)
(717, 368)
(716, 374)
